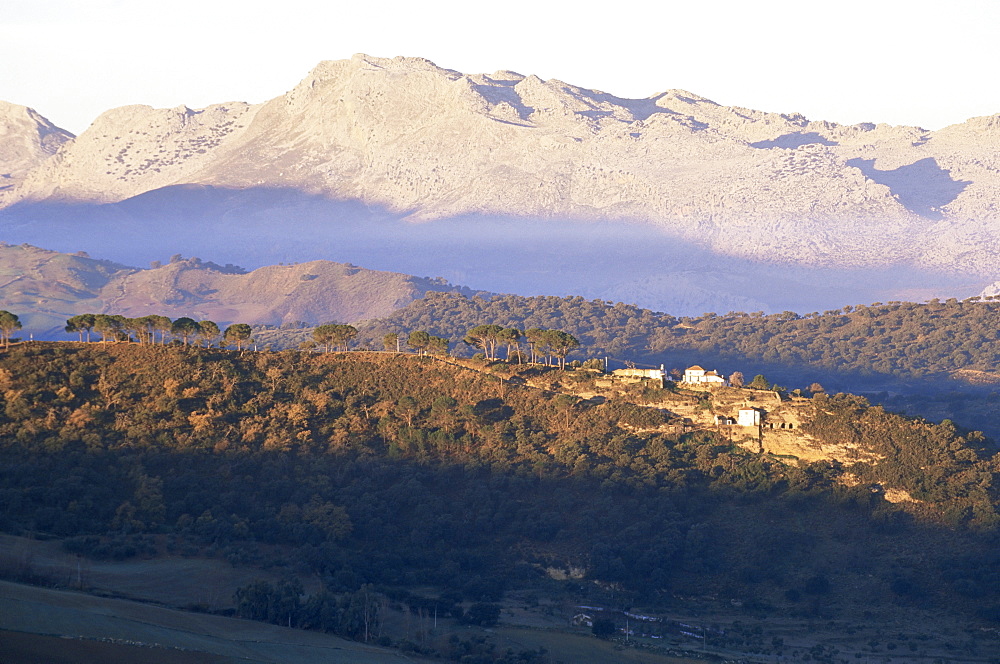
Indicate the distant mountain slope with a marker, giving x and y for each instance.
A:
(46, 287)
(708, 190)
(431, 143)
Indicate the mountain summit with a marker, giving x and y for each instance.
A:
(367, 140)
(26, 140)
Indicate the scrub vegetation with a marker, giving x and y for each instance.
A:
(451, 484)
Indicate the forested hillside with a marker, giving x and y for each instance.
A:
(902, 340)
(617, 329)
(405, 471)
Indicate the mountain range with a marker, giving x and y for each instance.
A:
(511, 183)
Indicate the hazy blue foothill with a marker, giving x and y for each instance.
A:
(532, 256)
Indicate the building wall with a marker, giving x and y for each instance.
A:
(700, 376)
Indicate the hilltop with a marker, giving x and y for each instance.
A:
(936, 358)
(949, 343)
(672, 201)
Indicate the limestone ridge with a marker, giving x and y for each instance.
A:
(134, 149)
(428, 143)
(26, 141)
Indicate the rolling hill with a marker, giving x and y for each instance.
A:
(46, 287)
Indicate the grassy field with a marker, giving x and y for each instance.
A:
(171, 580)
(18, 648)
(57, 625)
(92, 628)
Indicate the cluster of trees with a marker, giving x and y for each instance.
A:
(355, 615)
(541, 343)
(144, 329)
(401, 472)
(334, 336)
(901, 339)
(602, 328)
(490, 338)
(419, 340)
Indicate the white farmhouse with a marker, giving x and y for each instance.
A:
(697, 376)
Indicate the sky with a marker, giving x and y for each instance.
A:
(914, 62)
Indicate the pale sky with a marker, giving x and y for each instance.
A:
(902, 62)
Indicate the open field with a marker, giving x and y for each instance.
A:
(63, 626)
(38, 624)
(16, 647)
(171, 580)
(152, 633)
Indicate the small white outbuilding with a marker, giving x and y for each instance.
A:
(749, 417)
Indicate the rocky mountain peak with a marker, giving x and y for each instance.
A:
(134, 149)
(26, 140)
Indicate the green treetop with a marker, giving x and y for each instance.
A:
(239, 334)
(9, 324)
